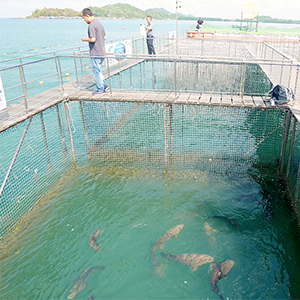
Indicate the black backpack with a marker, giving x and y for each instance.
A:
(281, 95)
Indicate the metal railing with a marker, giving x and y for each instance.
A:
(204, 72)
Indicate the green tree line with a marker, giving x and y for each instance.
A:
(126, 11)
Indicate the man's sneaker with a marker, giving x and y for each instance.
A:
(98, 93)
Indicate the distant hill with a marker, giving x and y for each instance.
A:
(160, 13)
(54, 12)
(126, 11)
(119, 10)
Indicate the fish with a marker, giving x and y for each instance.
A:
(158, 267)
(217, 272)
(173, 232)
(80, 282)
(192, 260)
(208, 229)
(209, 232)
(233, 223)
(90, 295)
(93, 239)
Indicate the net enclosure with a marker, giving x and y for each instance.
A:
(157, 137)
(170, 137)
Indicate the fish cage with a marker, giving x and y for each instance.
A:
(184, 138)
(170, 136)
(167, 138)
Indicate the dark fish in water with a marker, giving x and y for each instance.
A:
(233, 223)
(80, 283)
(217, 272)
(173, 232)
(93, 239)
(90, 295)
(192, 260)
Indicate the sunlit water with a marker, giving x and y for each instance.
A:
(137, 207)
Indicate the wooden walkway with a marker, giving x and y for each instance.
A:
(16, 113)
(169, 97)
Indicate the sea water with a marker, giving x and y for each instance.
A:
(135, 207)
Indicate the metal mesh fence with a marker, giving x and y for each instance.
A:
(206, 76)
(186, 139)
(42, 159)
(156, 137)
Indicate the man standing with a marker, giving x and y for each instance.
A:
(96, 42)
(150, 32)
(199, 24)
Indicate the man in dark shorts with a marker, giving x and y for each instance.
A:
(150, 32)
(96, 42)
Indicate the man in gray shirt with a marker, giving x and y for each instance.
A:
(150, 32)
(96, 42)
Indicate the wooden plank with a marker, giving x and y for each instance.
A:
(258, 101)
(151, 96)
(171, 98)
(183, 98)
(204, 99)
(194, 98)
(226, 100)
(162, 96)
(237, 101)
(248, 101)
(215, 99)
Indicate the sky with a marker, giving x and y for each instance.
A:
(287, 9)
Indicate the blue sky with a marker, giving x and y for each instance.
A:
(288, 9)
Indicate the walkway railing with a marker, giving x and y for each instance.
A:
(193, 72)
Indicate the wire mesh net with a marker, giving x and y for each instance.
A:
(155, 137)
(189, 140)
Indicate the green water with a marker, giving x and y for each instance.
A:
(135, 208)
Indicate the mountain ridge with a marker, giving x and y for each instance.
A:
(127, 11)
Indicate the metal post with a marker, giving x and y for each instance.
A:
(76, 69)
(141, 76)
(108, 74)
(171, 132)
(130, 73)
(281, 73)
(175, 80)
(291, 149)
(84, 129)
(297, 185)
(61, 77)
(120, 75)
(61, 132)
(22, 81)
(166, 137)
(153, 77)
(285, 135)
(296, 80)
(271, 61)
(14, 158)
(45, 139)
(81, 65)
(243, 82)
(70, 133)
(144, 75)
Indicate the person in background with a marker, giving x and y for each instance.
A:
(199, 24)
(96, 39)
(150, 35)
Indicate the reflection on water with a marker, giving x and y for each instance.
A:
(128, 213)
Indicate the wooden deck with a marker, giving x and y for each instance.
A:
(16, 113)
(169, 97)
